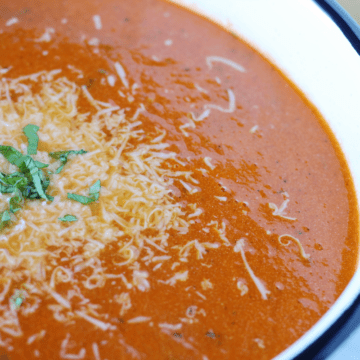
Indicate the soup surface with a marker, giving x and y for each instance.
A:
(214, 216)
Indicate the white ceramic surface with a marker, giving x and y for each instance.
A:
(311, 50)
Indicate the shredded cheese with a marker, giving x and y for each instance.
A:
(232, 104)
(254, 129)
(280, 212)
(46, 37)
(221, 231)
(122, 75)
(239, 247)
(97, 22)
(65, 355)
(12, 21)
(139, 319)
(242, 287)
(206, 284)
(233, 64)
(207, 161)
(170, 326)
(180, 276)
(202, 116)
(95, 349)
(297, 241)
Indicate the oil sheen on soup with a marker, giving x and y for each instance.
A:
(166, 193)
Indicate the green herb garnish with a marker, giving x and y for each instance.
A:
(30, 132)
(94, 193)
(4, 219)
(40, 165)
(81, 199)
(38, 182)
(10, 154)
(63, 157)
(16, 201)
(10, 182)
(30, 182)
(68, 218)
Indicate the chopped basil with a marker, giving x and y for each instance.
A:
(68, 218)
(16, 201)
(94, 193)
(35, 175)
(10, 182)
(94, 190)
(5, 216)
(10, 154)
(30, 132)
(4, 219)
(7, 189)
(30, 182)
(63, 157)
(40, 165)
(81, 199)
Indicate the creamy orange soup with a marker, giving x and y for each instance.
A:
(205, 212)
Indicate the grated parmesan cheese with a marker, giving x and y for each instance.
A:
(95, 349)
(170, 326)
(280, 212)
(242, 287)
(221, 198)
(233, 64)
(139, 319)
(12, 21)
(253, 129)
(260, 343)
(63, 351)
(46, 37)
(207, 161)
(206, 284)
(97, 22)
(134, 199)
(239, 248)
(180, 276)
(297, 241)
(122, 75)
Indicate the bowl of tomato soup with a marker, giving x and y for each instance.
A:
(178, 179)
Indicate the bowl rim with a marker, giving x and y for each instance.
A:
(349, 27)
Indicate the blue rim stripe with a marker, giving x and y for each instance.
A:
(343, 20)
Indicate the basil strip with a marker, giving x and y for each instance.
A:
(8, 183)
(5, 218)
(30, 132)
(16, 201)
(10, 154)
(40, 165)
(31, 171)
(63, 157)
(79, 198)
(94, 193)
(68, 218)
(94, 190)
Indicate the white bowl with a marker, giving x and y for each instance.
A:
(309, 48)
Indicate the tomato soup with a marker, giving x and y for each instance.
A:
(166, 192)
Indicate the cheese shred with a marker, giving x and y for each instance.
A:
(298, 243)
(239, 247)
